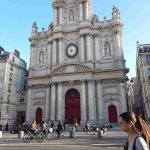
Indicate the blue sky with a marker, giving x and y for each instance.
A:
(17, 17)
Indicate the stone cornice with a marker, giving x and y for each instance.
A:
(58, 3)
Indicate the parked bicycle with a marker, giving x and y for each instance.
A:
(49, 133)
(38, 136)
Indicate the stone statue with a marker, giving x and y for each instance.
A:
(71, 15)
(41, 58)
(107, 48)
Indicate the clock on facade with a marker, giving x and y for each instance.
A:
(71, 51)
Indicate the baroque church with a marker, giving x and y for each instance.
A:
(77, 67)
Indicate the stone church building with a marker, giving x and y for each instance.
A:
(77, 67)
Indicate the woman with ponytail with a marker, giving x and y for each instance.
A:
(137, 130)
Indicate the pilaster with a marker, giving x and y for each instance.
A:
(47, 103)
(83, 102)
(53, 99)
(59, 102)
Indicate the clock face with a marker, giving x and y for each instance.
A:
(72, 51)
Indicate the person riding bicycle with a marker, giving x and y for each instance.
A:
(34, 127)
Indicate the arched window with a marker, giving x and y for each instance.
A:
(71, 15)
(41, 57)
(107, 49)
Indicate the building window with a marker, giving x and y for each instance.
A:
(9, 87)
(149, 73)
(8, 99)
(22, 99)
(11, 68)
(148, 59)
(7, 109)
(10, 77)
(13, 59)
(146, 49)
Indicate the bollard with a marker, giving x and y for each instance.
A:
(99, 133)
(72, 132)
(1, 134)
(20, 134)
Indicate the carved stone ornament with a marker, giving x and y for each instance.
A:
(110, 89)
(71, 68)
(111, 97)
(39, 94)
(38, 102)
(38, 86)
(58, 3)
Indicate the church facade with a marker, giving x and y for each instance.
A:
(77, 67)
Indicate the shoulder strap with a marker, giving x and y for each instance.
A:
(134, 143)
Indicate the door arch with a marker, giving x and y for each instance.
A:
(38, 115)
(72, 105)
(112, 112)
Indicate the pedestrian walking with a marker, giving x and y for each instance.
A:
(59, 129)
(137, 130)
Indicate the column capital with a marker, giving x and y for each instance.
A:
(59, 82)
(98, 80)
(49, 42)
(96, 35)
(91, 80)
(83, 80)
(52, 83)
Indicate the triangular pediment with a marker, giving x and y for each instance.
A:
(71, 68)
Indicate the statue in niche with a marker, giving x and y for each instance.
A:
(41, 57)
(107, 49)
(71, 15)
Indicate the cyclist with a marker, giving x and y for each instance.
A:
(34, 127)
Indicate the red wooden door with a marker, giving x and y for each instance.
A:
(72, 105)
(38, 115)
(112, 112)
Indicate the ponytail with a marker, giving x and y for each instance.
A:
(143, 129)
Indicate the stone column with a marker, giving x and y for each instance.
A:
(55, 15)
(83, 102)
(61, 15)
(87, 14)
(91, 107)
(47, 103)
(53, 101)
(59, 102)
(32, 56)
(60, 51)
(99, 101)
(54, 53)
(82, 47)
(81, 12)
(97, 51)
(49, 53)
(89, 50)
(123, 100)
(117, 43)
(28, 108)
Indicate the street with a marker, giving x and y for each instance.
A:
(112, 140)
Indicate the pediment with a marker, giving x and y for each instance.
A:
(71, 68)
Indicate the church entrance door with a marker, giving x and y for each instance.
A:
(72, 106)
(112, 112)
(38, 115)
